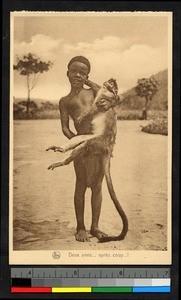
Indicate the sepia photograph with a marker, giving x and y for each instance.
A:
(90, 138)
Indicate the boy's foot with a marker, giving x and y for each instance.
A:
(82, 236)
(98, 233)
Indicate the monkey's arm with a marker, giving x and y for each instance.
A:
(103, 104)
(94, 109)
(88, 114)
(93, 86)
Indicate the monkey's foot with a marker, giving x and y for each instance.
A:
(56, 165)
(98, 233)
(82, 236)
(56, 149)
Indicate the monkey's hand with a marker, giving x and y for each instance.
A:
(79, 119)
(87, 114)
(107, 102)
(55, 149)
(104, 104)
(92, 85)
(82, 118)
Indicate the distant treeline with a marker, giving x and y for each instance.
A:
(37, 110)
(48, 110)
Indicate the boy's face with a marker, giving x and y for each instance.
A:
(77, 73)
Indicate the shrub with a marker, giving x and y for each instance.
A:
(157, 126)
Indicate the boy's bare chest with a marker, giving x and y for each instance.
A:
(79, 104)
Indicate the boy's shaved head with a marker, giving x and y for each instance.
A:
(81, 59)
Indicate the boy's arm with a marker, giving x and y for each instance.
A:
(64, 117)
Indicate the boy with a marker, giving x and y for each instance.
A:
(88, 169)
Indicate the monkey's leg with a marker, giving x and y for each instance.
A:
(55, 149)
(76, 141)
(72, 143)
(75, 153)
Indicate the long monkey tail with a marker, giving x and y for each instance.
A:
(118, 206)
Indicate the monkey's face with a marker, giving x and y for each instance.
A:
(111, 86)
(77, 73)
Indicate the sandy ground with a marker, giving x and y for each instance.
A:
(43, 209)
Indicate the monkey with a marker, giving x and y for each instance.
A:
(102, 139)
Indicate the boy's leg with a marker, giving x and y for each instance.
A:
(96, 202)
(79, 199)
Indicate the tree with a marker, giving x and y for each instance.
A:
(31, 66)
(146, 88)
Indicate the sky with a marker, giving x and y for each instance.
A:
(125, 46)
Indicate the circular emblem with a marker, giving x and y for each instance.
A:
(56, 254)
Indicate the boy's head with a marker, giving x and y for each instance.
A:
(80, 59)
(78, 70)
